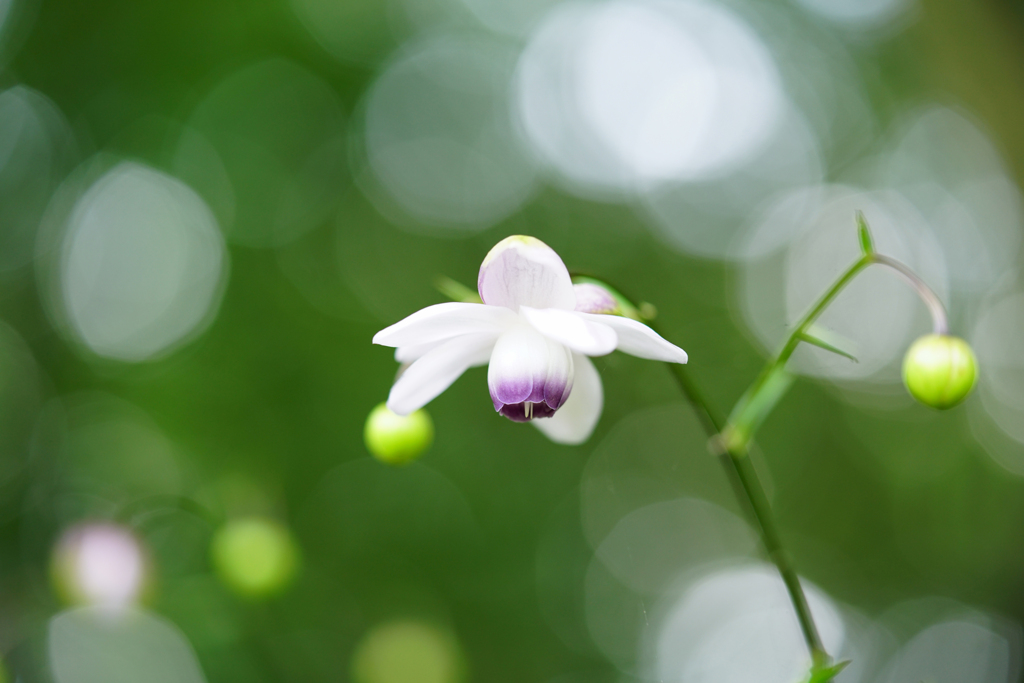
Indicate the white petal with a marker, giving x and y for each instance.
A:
(575, 421)
(408, 354)
(444, 321)
(527, 367)
(639, 340)
(571, 329)
(523, 271)
(437, 369)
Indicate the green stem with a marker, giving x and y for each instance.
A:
(769, 386)
(819, 307)
(750, 493)
(772, 383)
(732, 440)
(777, 553)
(735, 437)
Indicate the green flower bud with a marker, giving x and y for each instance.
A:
(940, 370)
(397, 439)
(401, 651)
(255, 557)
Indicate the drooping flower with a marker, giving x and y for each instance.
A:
(534, 331)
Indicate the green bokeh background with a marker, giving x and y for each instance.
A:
(878, 506)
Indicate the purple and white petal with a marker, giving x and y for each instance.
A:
(638, 340)
(526, 369)
(591, 298)
(523, 271)
(575, 421)
(572, 330)
(445, 321)
(437, 369)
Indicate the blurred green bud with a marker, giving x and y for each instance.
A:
(100, 563)
(401, 651)
(397, 439)
(940, 370)
(255, 557)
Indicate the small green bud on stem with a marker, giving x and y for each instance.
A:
(940, 370)
(255, 557)
(398, 439)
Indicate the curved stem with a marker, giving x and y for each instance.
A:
(940, 324)
(771, 384)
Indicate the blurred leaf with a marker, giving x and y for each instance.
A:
(867, 245)
(456, 291)
(754, 406)
(826, 674)
(815, 339)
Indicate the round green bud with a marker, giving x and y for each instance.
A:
(254, 556)
(398, 439)
(940, 370)
(401, 651)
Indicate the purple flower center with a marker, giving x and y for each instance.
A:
(526, 411)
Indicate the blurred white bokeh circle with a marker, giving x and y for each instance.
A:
(142, 263)
(352, 31)
(737, 625)
(36, 148)
(858, 14)
(956, 178)
(622, 94)
(510, 18)
(649, 548)
(266, 149)
(439, 138)
(89, 645)
(967, 648)
(998, 418)
(707, 217)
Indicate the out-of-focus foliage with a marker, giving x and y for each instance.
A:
(207, 209)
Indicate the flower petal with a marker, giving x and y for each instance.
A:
(437, 369)
(572, 330)
(411, 353)
(591, 298)
(575, 421)
(526, 366)
(444, 321)
(523, 271)
(638, 340)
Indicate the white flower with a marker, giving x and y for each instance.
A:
(534, 330)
